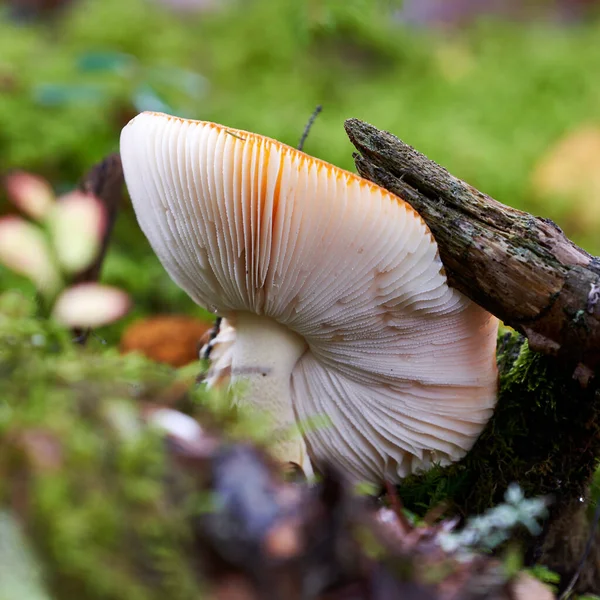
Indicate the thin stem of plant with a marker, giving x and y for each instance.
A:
(104, 180)
(309, 125)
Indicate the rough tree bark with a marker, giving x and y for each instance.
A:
(521, 268)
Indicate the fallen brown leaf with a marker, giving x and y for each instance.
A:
(170, 339)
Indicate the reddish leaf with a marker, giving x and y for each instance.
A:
(77, 224)
(30, 194)
(25, 250)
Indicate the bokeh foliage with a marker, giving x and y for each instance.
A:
(486, 102)
(83, 471)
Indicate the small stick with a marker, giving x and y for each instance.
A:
(105, 181)
(309, 125)
(397, 507)
(584, 557)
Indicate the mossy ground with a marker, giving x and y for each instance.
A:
(99, 497)
(81, 471)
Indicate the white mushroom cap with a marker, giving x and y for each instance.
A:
(340, 280)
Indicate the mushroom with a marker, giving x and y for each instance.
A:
(334, 298)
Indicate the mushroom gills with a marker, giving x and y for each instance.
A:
(332, 283)
(260, 364)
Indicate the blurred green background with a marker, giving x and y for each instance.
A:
(510, 104)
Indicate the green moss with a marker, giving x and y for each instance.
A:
(84, 474)
(544, 435)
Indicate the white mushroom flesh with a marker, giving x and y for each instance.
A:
(331, 282)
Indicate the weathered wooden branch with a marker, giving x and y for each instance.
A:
(521, 268)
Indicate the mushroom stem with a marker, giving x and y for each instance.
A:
(264, 355)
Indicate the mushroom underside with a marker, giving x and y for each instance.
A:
(332, 281)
